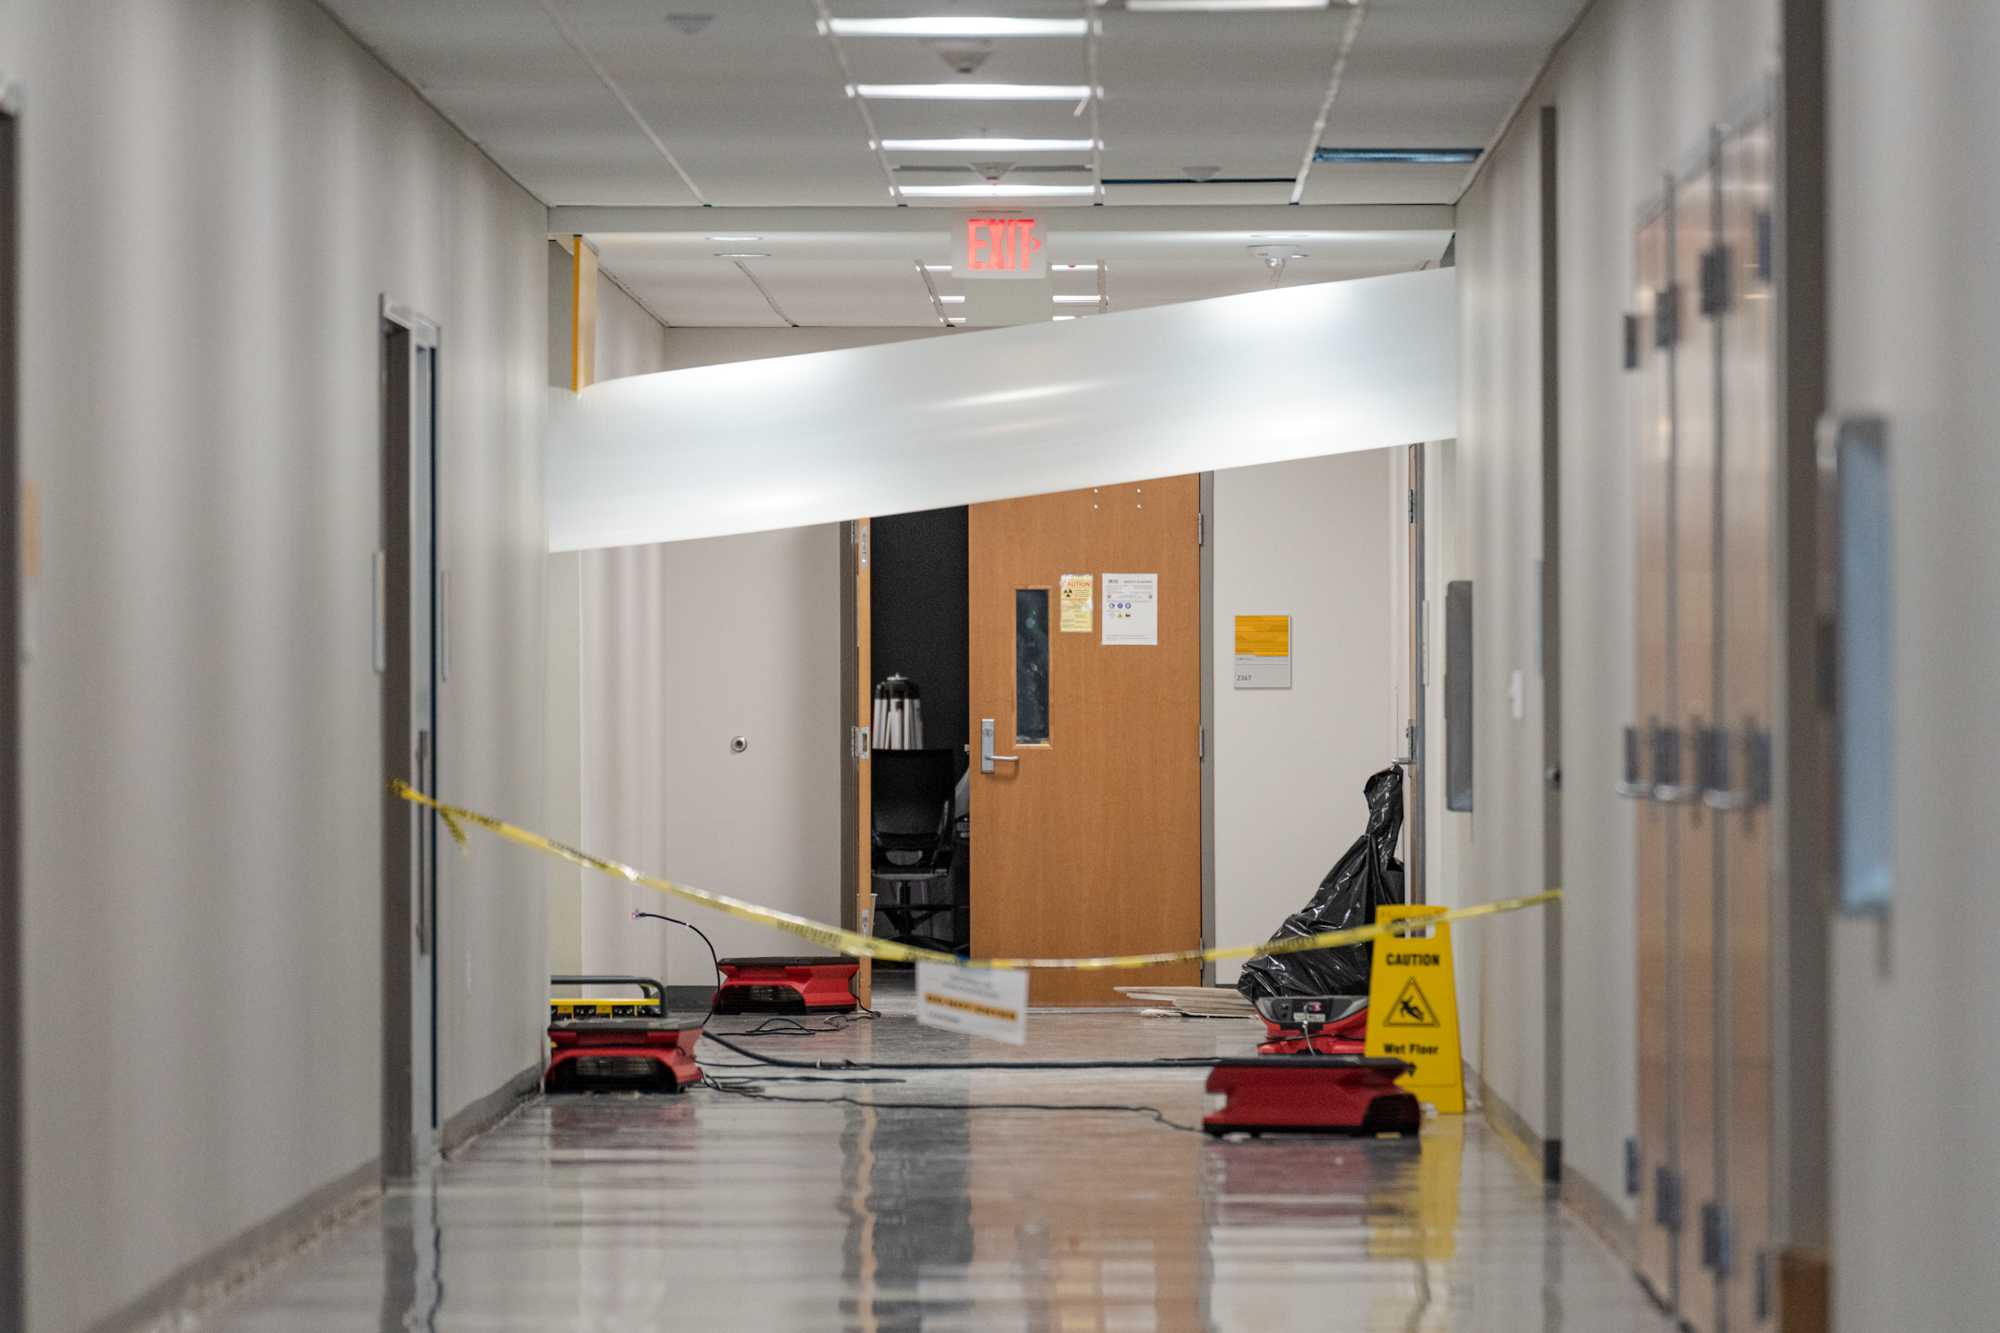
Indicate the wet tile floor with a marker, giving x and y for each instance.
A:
(718, 1211)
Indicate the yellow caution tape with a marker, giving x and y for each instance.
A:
(856, 945)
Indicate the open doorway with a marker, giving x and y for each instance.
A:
(920, 856)
(409, 658)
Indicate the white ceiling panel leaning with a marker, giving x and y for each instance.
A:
(742, 104)
(1256, 378)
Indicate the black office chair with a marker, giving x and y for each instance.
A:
(913, 843)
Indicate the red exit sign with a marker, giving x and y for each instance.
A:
(1000, 247)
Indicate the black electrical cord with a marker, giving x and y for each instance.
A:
(741, 1089)
(713, 960)
(1157, 1062)
(792, 1027)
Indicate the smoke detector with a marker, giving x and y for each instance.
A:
(1202, 173)
(991, 172)
(688, 25)
(962, 55)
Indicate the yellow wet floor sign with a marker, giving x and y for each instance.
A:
(1413, 1007)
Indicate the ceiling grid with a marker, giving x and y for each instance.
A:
(1164, 140)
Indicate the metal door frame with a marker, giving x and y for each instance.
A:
(13, 1299)
(409, 921)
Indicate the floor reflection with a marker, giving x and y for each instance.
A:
(711, 1211)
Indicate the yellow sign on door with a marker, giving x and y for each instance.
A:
(1413, 1008)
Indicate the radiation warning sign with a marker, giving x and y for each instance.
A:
(1413, 1007)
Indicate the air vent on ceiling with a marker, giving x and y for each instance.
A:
(688, 25)
(1409, 157)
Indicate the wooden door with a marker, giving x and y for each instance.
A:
(1089, 841)
(1653, 460)
(1749, 548)
(1697, 493)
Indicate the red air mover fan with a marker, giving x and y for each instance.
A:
(786, 986)
(1324, 1024)
(1312, 1094)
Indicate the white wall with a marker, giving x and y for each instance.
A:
(1636, 88)
(1914, 181)
(684, 646)
(688, 347)
(216, 197)
(1498, 520)
(1314, 540)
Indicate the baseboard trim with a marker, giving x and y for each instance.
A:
(222, 1271)
(1510, 1125)
(1596, 1210)
(1592, 1206)
(479, 1116)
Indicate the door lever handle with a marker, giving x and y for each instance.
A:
(986, 756)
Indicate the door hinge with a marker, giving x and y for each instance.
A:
(1632, 1180)
(1715, 293)
(1200, 528)
(857, 743)
(1716, 1242)
(1413, 505)
(1766, 265)
(1201, 743)
(1760, 1281)
(1667, 1198)
(1631, 342)
(1667, 316)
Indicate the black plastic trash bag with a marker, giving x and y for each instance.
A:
(1363, 879)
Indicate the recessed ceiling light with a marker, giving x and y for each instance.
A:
(988, 145)
(727, 239)
(1074, 268)
(1064, 298)
(1061, 317)
(1001, 190)
(955, 319)
(1432, 157)
(941, 25)
(976, 92)
(1219, 6)
(743, 254)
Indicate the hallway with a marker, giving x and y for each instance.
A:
(709, 1211)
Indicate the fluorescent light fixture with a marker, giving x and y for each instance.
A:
(975, 92)
(951, 300)
(1220, 6)
(743, 254)
(1423, 157)
(955, 319)
(1074, 268)
(937, 268)
(1060, 318)
(726, 239)
(941, 25)
(989, 190)
(988, 145)
(1064, 298)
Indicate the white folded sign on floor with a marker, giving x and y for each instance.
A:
(1295, 372)
(978, 1003)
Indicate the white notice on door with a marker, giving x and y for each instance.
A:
(979, 1002)
(1132, 609)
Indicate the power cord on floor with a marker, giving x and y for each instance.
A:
(713, 961)
(744, 1088)
(1157, 1062)
(787, 1026)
